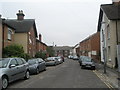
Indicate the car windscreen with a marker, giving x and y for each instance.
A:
(4, 62)
(87, 60)
(31, 62)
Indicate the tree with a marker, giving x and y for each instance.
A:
(50, 51)
(41, 54)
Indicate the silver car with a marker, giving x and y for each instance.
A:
(52, 61)
(12, 69)
(36, 65)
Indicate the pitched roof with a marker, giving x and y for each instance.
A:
(21, 26)
(112, 12)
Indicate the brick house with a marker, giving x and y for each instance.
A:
(8, 33)
(62, 50)
(40, 46)
(91, 47)
(109, 28)
(25, 32)
(1, 37)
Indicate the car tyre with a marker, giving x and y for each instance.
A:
(27, 75)
(4, 83)
(93, 68)
(37, 70)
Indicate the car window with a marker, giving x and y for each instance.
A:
(23, 60)
(31, 62)
(13, 62)
(20, 62)
(4, 62)
(40, 60)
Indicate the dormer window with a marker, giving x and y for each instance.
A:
(9, 34)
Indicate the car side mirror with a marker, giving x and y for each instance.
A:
(12, 65)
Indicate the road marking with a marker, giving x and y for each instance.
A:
(102, 78)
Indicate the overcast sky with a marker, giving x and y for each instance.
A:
(64, 22)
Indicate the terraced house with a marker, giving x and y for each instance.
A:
(0, 37)
(25, 32)
(40, 46)
(109, 27)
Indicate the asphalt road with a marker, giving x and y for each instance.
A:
(66, 75)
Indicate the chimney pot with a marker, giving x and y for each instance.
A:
(20, 15)
(40, 37)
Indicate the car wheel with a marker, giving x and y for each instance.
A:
(93, 68)
(82, 67)
(37, 70)
(27, 75)
(4, 82)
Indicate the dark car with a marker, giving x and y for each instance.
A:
(88, 63)
(36, 65)
(81, 59)
(12, 69)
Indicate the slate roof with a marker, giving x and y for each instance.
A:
(21, 26)
(62, 48)
(112, 12)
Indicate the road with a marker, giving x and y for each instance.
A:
(66, 75)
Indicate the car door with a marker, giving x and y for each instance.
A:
(22, 67)
(13, 71)
(40, 64)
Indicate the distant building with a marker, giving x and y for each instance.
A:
(91, 47)
(62, 50)
(109, 28)
(76, 50)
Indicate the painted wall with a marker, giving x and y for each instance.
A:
(108, 41)
(21, 39)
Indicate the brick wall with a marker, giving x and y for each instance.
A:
(6, 41)
(0, 37)
(91, 47)
(31, 43)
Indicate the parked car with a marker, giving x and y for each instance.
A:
(75, 58)
(12, 69)
(60, 59)
(70, 57)
(36, 65)
(81, 58)
(51, 61)
(88, 63)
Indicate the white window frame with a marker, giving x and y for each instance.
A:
(9, 34)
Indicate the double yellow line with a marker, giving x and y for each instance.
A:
(102, 78)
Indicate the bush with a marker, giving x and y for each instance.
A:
(41, 54)
(15, 50)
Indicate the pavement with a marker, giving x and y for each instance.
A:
(111, 78)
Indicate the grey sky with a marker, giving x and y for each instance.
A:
(64, 22)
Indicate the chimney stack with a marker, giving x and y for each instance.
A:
(40, 37)
(20, 15)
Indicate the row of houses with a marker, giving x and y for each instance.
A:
(21, 31)
(104, 45)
